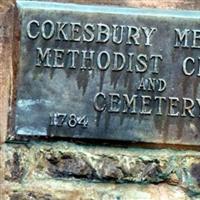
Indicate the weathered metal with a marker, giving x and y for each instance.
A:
(108, 73)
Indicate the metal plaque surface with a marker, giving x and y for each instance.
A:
(108, 73)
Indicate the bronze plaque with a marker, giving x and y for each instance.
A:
(103, 72)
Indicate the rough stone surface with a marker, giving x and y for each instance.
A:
(6, 37)
(73, 190)
(64, 161)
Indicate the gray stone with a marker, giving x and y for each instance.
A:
(67, 161)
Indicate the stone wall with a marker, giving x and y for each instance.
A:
(65, 170)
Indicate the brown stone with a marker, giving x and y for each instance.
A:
(69, 165)
(73, 190)
(6, 39)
